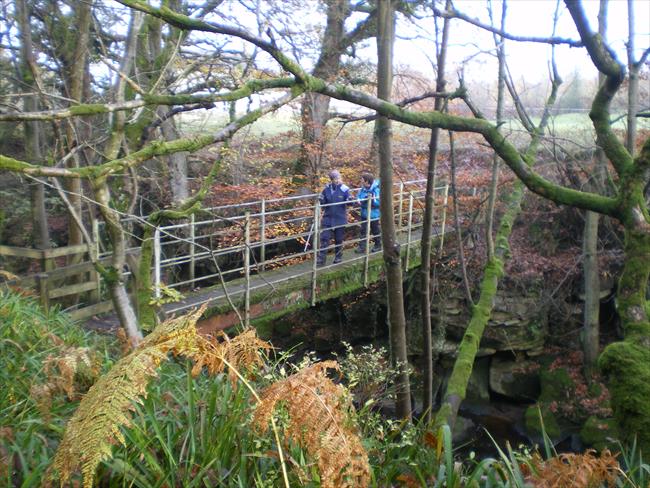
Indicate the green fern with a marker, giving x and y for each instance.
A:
(95, 426)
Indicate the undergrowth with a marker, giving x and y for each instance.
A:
(199, 415)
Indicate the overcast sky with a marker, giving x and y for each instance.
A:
(529, 18)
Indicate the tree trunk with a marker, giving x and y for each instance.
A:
(494, 269)
(425, 276)
(633, 83)
(590, 268)
(457, 385)
(177, 162)
(77, 71)
(32, 130)
(427, 229)
(315, 107)
(590, 339)
(457, 226)
(116, 139)
(501, 82)
(626, 364)
(392, 261)
(114, 274)
(314, 116)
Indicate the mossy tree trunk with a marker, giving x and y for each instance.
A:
(493, 271)
(626, 364)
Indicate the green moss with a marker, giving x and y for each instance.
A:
(631, 297)
(110, 274)
(146, 311)
(533, 420)
(600, 433)
(88, 109)
(627, 368)
(264, 328)
(555, 384)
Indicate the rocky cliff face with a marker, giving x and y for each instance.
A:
(514, 362)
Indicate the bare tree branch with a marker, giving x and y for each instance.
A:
(455, 14)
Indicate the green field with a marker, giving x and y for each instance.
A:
(575, 128)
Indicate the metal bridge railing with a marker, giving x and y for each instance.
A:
(248, 238)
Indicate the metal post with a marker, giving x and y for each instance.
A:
(43, 290)
(192, 250)
(247, 271)
(408, 234)
(95, 295)
(156, 263)
(401, 204)
(444, 216)
(315, 246)
(263, 234)
(367, 260)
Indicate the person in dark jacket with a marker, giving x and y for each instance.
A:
(334, 198)
(369, 191)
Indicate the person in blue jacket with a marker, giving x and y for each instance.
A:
(334, 199)
(369, 190)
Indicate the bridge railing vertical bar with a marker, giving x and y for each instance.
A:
(192, 249)
(262, 233)
(444, 216)
(367, 249)
(156, 263)
(247, 272)
(408, 232)
(315, 246)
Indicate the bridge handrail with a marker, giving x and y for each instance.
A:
(231, 228)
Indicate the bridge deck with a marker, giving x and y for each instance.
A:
(274, 292)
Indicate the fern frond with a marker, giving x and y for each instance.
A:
(70, 372)
(319, 421)
(95, 425)
(578, 470)
(242, 352)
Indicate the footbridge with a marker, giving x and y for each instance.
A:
(251, 261)
(256, 261)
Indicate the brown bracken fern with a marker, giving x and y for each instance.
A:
(576, 470)
(95, 426)
(69, 372)
(319, 421)
(241, 352)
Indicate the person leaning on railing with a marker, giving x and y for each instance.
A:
(369, 190)
(334, 198)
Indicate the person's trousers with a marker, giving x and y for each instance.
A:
(374, 230)
(325, 238)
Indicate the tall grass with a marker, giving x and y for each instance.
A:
(196, 432)
(192, 432)
(28, 336)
